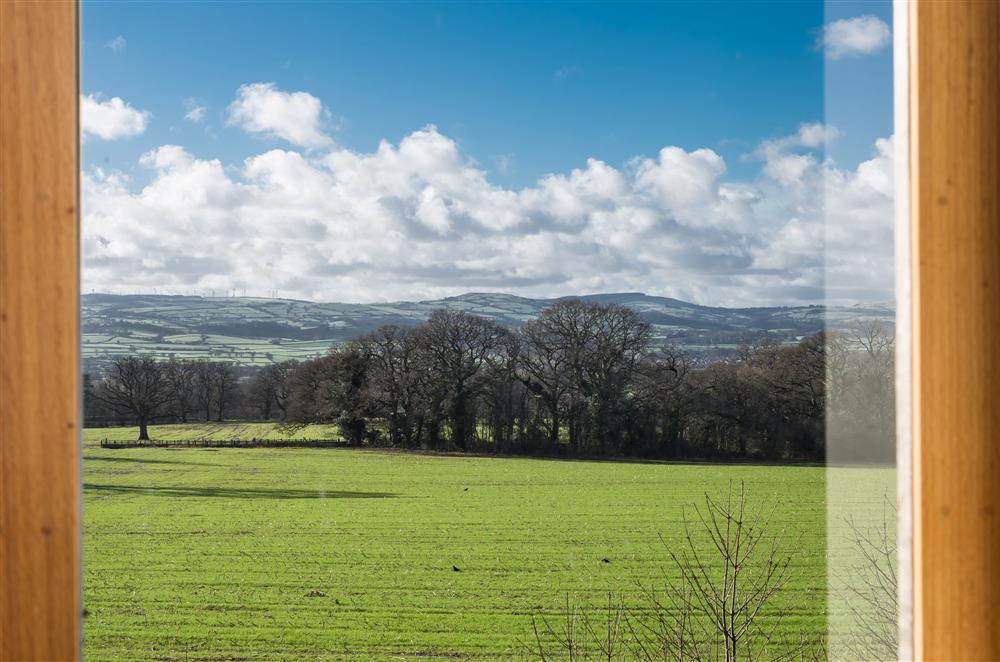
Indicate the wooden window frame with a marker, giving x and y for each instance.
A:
(954, 227)
(40, 491)
(950, 251)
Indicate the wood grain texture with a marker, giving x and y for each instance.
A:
(955, 170)
(39, 340)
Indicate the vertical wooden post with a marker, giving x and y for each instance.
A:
(955, 207)
(39, 340)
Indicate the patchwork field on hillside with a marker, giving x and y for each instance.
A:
(248, 331)
(361, 555)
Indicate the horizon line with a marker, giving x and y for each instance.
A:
(275, 297)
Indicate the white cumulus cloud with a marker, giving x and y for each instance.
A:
(417, 219)
(110, 119)
(295, 117)
(861, 35)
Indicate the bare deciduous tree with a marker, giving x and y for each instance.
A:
(580, 635)
(180, 377)
(458, 346)
(619, 342)
(713, 605)
(268, 389)
(873, 598)
(224, 388)
(392, 384)
(730, 585)
(204, 392)
(136, 384)
(860, 379)
(584, 378)
(545, 368)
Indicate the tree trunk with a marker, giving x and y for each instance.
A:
(407, 431)
(574, 431)
(458, 421)
(419, 434)
(143, 429)
(395, 433)
(434, 432)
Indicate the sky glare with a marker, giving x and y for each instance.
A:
(390, 151)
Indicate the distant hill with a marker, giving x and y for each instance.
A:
(253, 331)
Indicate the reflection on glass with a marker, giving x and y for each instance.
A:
(862, 568)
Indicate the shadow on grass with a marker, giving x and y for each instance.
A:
(139, 460)
(234, 492)
(709, 461)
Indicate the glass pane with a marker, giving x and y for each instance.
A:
(489, 330)
(863, 569)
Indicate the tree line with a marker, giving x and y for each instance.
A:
(139, 390)
(582, 379)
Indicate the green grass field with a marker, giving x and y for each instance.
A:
(215, 432)
(234, 554)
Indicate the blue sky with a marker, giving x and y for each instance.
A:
(521, 90)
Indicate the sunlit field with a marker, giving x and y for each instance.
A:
(215, 432)
(303, 553)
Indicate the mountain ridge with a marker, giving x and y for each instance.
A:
(255, 330)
